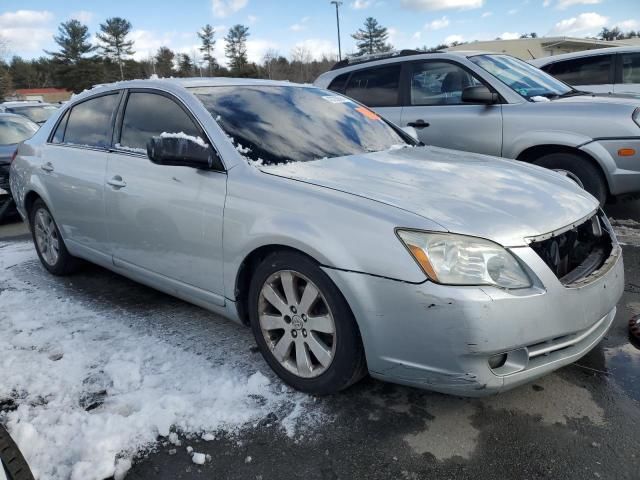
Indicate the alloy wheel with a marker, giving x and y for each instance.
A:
(47, 237)
(297, 323)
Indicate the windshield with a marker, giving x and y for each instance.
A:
(521, 77)
(15, 129)
(280, 124)
(37, 113)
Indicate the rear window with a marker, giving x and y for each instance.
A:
(35, 113)
(15, 130)
(375, 87)
(279, 124)
(583, 71)
(90, 122)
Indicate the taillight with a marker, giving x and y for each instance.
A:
(14, 155)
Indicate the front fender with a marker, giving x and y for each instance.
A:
(338, 230)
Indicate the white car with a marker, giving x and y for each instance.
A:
(604, 70)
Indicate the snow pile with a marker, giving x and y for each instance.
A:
(93, 390)
(184, 136)
(539, 99)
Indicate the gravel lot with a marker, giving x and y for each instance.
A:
(581, 422)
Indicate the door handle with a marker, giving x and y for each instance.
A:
(47, 167)
(117, 182)
(418, 124)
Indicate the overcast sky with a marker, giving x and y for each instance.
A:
(28, 25)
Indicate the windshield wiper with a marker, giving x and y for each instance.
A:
(571, 93)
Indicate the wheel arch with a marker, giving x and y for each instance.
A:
(531, 154)
(247, 268)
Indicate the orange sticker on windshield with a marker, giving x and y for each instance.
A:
(368, 113)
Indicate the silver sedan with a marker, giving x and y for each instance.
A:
(345, 245)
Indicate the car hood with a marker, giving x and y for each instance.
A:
(498, 199)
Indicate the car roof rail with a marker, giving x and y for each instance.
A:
(358, 59)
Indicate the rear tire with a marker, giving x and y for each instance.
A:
(322, 351)
(590, 175)
(49, 244)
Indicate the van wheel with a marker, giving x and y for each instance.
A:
(303, 325)
(49, 243)
(588, 174)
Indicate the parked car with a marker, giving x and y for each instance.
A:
(346, 246)
(604, 70)
(13, 130)
(37, 112)
(498, 105)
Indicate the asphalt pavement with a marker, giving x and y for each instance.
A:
(580, 422)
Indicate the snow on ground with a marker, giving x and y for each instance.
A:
(92, 390)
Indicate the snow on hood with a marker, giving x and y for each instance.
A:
(95, 386)
(502, 200)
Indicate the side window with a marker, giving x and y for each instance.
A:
(58, 136)
(439, 83)
(149, 114)
(631, 68)
(583, 71)
(89, 122)
(339, 83)
(375, 87)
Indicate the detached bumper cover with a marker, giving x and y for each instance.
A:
(441, 337)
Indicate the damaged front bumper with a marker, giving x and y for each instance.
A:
(443, 338)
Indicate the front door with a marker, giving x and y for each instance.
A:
(436, 110)
(163, 221)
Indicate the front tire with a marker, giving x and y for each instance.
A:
(589, 175)
(49, 244)
(303, 325)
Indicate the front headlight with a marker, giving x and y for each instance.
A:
(461, 260)
(636, 116)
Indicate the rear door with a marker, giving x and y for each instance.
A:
(376, 87)
(165, 222)
(434, 106)
(628, 78)
(594, 73)
(74, 163)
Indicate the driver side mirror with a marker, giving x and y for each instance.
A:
(479, 94)
(182, 151)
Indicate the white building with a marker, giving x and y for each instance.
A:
(530, 48)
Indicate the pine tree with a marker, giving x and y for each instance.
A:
(5, 81)
(71, 67)
(372, 38)
(115, 46)
(236, 48)
(73, 40)
(185, 65)
(208, 44)
(164, 62)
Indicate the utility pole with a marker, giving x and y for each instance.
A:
(337, 4)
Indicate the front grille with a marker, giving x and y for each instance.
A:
(578, 252)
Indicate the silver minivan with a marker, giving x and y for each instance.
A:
(603, 70)
(499, 105)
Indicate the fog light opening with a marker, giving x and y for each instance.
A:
(634, 331)
(498, 361)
